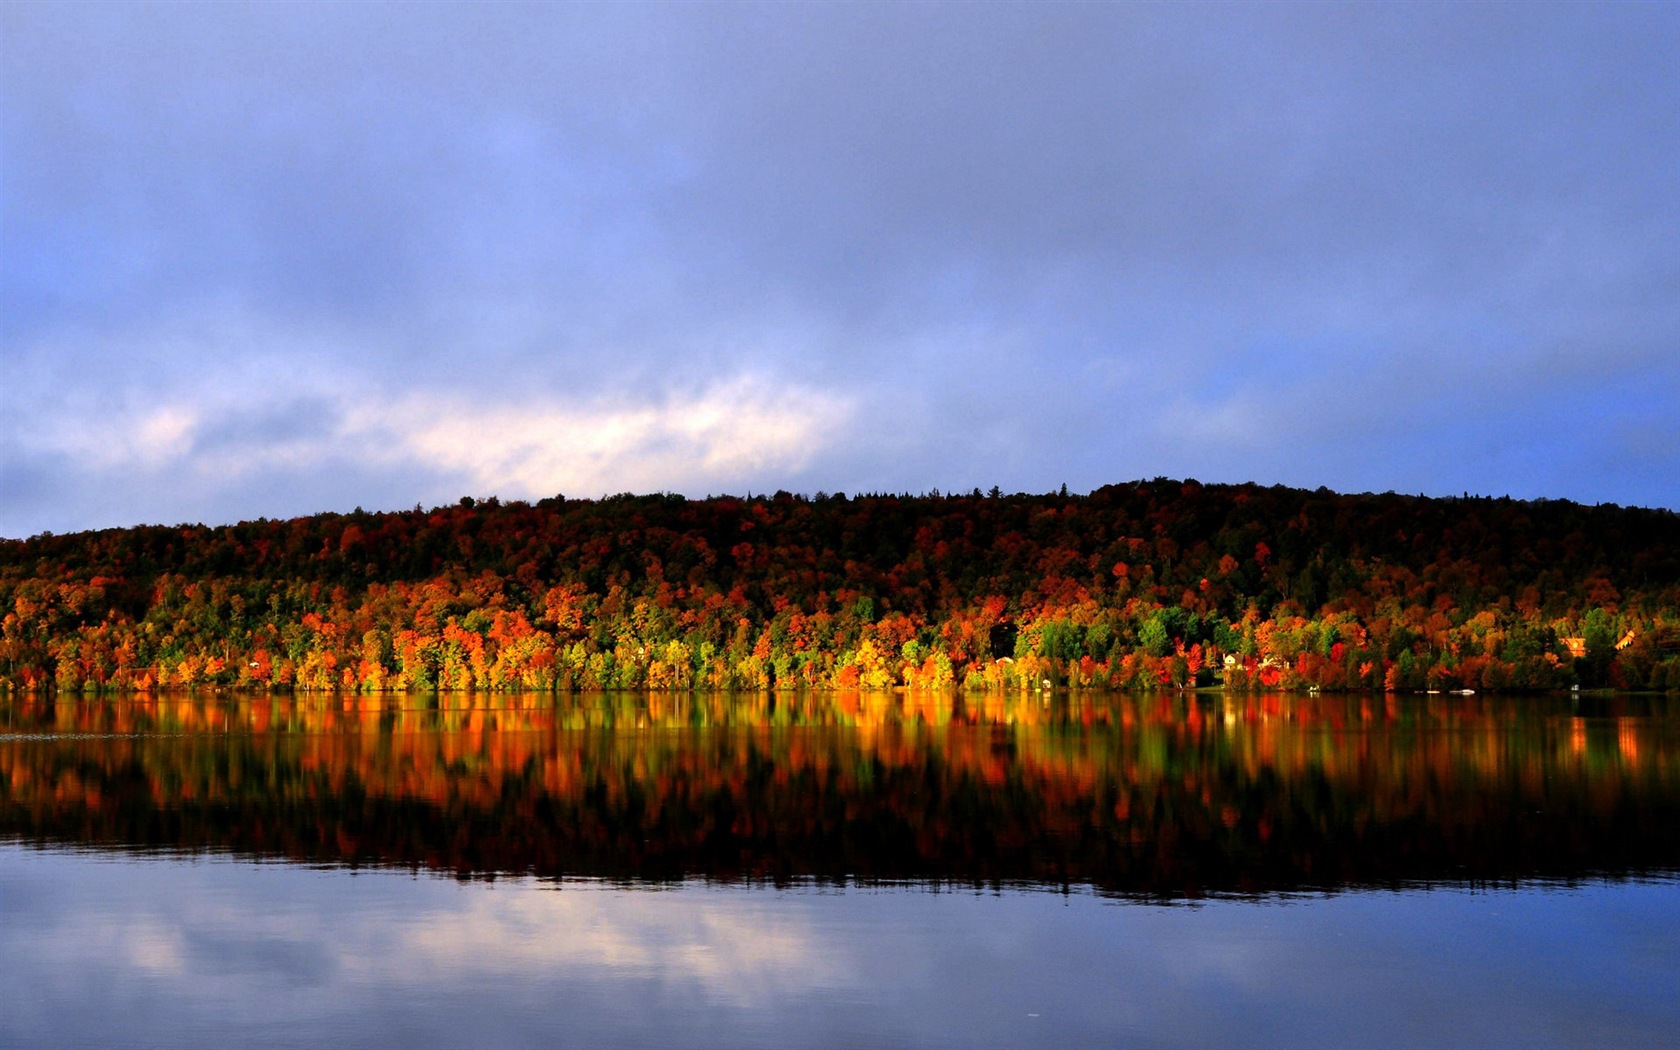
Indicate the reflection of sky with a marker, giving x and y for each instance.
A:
(201, 952)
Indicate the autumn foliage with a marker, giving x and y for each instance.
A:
(1150, 585)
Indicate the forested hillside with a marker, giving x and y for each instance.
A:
(1154, 584)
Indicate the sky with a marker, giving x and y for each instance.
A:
(272, 259)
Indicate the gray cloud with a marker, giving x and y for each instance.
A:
(1028, 243)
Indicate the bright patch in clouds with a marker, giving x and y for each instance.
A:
(143, 439)
(712, 438)
(722, 435)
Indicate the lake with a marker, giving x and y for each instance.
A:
(840, 870)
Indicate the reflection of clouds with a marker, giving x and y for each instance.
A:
(185, 953)
(209, 924)
(733, 949)
(147, 945)
(153, 949)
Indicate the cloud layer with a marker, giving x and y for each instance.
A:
(274, 259)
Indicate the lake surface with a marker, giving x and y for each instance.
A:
(840, 870)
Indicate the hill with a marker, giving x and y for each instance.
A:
(1144, 585)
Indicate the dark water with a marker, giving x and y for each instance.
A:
(840, 870)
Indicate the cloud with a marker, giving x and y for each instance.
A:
(273, 409)
(1018, 244)
(148, 439)
(723, 435)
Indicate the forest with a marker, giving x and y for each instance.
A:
(1150, 585)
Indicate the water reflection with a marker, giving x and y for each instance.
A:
(1160, 797)
(105, 949)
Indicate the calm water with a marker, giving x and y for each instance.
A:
(840, 870)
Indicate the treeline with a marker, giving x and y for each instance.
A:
(1149, 585)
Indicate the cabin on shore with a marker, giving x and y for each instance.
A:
(1578, 646)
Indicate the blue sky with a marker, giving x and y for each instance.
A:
(265, 260)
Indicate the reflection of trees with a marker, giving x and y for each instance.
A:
(1154, 795)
